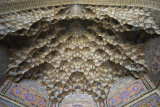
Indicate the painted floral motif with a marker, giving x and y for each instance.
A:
(36, 87)
(25, 95)
(132, 91)
(124, 94)
(18, 91)
(135, 88)
(40, 102)
(114, 100)
(29, 97)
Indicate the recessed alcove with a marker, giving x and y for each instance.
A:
(78, 100)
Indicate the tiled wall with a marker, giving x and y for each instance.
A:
(127, 94)
(16, 92)
(151, 99)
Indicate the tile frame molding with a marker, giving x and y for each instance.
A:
(143, 97)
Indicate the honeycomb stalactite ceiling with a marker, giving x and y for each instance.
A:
(135, 16)
(13, 5)
(77, 48)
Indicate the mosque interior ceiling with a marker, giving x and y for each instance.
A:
(77, 48)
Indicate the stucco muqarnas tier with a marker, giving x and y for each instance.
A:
(75, 46)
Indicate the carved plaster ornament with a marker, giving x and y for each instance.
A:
(77, 48)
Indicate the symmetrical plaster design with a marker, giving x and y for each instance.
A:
(77, 48)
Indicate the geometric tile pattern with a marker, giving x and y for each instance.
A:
(152, 101)
(3, 85)
(4, 103)
(149, 80)
(6, 87)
